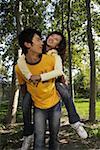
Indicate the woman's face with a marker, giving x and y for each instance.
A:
(54, 40)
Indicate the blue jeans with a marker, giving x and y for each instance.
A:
(68, 102)
(27, 115)
(66, 98)
(40, 118)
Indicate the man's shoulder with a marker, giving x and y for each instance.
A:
(48, 59)
(46, 56)
(17, 68)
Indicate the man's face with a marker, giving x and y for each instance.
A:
(54, 40)
(36, 46)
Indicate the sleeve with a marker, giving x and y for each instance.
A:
(23, 67)
(58, 70)
(20, 78)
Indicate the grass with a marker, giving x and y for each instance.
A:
(82, 107)
(3, 110)
(3, 113)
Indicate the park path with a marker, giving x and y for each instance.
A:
(69, 140)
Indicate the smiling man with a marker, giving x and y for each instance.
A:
(44, 95)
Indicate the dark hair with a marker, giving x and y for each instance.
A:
(61, 46)
(26, 36)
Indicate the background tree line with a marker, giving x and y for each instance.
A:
(78, 20)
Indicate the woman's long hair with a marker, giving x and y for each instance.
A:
(61, 47)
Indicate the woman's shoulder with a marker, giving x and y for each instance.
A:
(47, 56)
(52, 52)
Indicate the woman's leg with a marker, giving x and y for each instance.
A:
(74, 118)
(28, 126)
(27, 115)
(69, 104)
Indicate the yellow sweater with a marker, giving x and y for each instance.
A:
(44, 94)
(56, 72)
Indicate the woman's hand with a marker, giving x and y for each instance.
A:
(35, 78)
(64, 80)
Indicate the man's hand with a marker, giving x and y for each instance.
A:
(35, 78)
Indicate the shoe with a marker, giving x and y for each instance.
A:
(27, 142)
(78, 126)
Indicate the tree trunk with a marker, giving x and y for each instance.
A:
(69, 48)
(12, 108)
(11, 119)
(92, 64)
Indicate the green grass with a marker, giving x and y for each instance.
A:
(82, 107)
(3, 110)
(3, 113)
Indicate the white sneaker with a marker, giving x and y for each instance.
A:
(78, 126)
(27, 142)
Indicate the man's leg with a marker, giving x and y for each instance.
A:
(39, 128)
(74, 118)
(28, 126)
(54, 125)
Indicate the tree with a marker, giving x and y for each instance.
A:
(69, 47)
(31, 14)
(12, 107)
(92, 63)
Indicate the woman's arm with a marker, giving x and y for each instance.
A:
(58, 70)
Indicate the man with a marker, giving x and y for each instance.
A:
(44, 95)
(56, 44)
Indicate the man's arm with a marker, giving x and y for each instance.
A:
(21, 80)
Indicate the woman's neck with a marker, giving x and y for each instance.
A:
(48, 48)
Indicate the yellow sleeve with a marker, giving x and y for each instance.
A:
(19, 75)
(23, 67)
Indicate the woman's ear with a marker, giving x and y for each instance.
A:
(26, 44)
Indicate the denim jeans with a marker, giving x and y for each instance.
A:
(40, 118)
(27, 115)
(68, 102)
(66, 98)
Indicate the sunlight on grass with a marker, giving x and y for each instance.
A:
(82, 107)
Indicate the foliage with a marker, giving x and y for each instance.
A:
(31, 14)
(47, 16)
(81, 86)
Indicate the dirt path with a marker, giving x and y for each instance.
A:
(69, 140)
